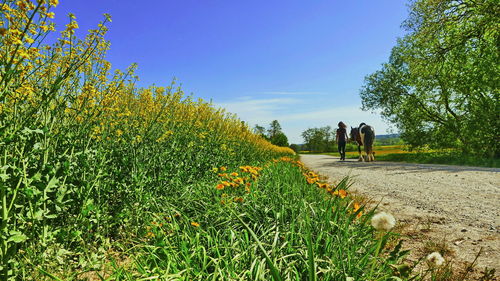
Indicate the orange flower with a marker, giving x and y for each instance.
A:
(312, 175)
(341, 193)
(220, 186)
(195, 224)
(238, 199)
(356, 207)
(223, 168)
(234, 174)
(312, 180)
(322, 185)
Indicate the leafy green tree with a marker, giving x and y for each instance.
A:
(260, 130)
(440, 86)
(279, 139)
(274, 129)
(274, 133)
(318, 139)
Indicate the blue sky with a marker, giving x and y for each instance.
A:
(299, 62)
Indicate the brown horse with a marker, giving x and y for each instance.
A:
(364, 136)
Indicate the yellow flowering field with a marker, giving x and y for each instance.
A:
(104, 180)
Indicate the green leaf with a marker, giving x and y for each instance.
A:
(17, 237)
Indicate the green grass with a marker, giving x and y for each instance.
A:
(399, 153)
(101, 180)
(285, 229)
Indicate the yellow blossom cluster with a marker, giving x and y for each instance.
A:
(72, 82)
(247, 176)
(314, 179)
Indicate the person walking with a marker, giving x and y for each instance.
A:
(341, 139)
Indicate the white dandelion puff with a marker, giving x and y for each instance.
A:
(383, 221)
(435, 259)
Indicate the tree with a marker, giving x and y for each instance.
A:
(318, 139)
(259, 130)
(274, 129)
(274, 133)
(440, 86)
(279, 139)
(295, 147)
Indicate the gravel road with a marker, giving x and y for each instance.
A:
(460, 205)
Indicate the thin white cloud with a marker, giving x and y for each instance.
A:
(296, 115)
(258, 111)
(286, 93)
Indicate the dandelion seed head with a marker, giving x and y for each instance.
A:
(383, 221)
(435, 259)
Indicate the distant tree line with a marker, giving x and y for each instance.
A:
(274, 133)
(441, 85)
(321, 139)
(318, 139)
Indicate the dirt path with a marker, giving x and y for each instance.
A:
(459, 206)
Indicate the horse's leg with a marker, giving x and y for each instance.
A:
(360, 154)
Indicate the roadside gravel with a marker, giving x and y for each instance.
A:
(456, 205)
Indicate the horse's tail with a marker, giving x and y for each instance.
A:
(369, 140)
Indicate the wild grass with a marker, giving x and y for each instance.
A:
(401, 153)
(84, 152)
(102, 180)
(281, 227)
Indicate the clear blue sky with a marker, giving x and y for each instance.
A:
(300, 62)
